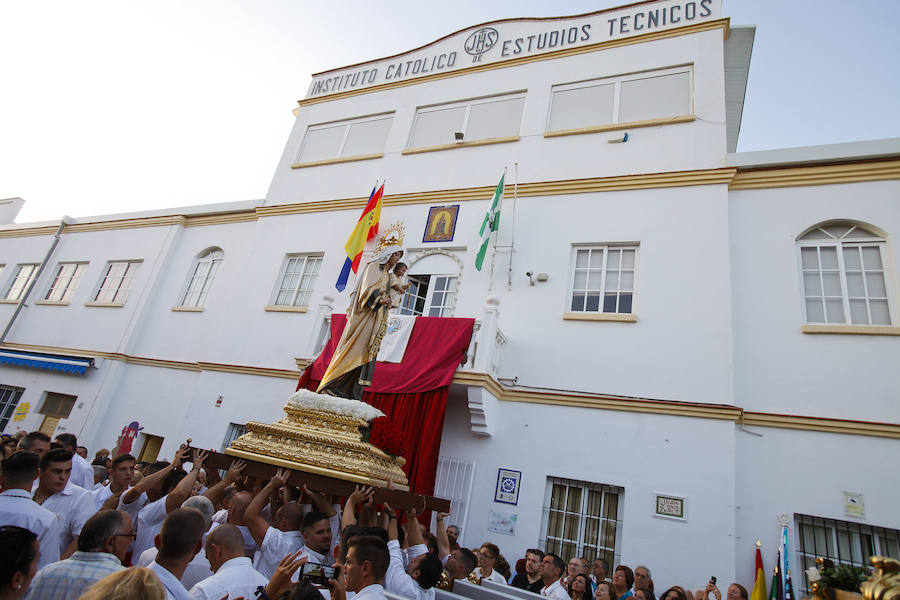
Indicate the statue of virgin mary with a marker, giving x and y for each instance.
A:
(351, 368)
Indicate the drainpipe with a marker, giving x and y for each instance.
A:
(62, 223)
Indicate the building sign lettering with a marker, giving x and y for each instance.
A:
(517, 38)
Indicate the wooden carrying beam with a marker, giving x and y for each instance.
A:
(339, 487)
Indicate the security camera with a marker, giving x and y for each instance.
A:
(529, 274)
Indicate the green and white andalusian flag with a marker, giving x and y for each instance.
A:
(490, 224)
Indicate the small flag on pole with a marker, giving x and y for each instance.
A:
(490, 224)
(366, 229)
(759, 588)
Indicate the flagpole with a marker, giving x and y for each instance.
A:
(495, 235)
(512, 243)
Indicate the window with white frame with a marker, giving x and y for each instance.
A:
(345, 139)
(297, 279)
(23, 278)
(842, 266)
(433, 280)
(429, 295)
(206, 265)
(65, 282)
(9, 398)
(479, 119)
(234, 431)
(663, 93)
(117, 280)
(844, 542)
(603, 279)
(581, 518)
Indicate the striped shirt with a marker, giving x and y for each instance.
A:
(68, 579)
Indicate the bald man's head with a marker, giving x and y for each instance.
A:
(289, 517)
(239, 504)
(224, 543)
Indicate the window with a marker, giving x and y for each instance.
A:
(605, 272)
(235, 430)
(55, 407)
(453, 481)
(481, 119)
(344, 139)
(430, 296)
(581, 518)
(116, 282)
(205, 269)
(842, 266)
(65, 282)
(843, 542)
(664, 93)
(9, 398)
(298, 276)
(25, 275)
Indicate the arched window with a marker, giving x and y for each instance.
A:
(842, 266)
(433, 281)
(205, 267)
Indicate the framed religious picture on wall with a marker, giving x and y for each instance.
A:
(507, 490)
(441, 223)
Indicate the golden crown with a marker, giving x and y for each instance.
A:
(392, 236)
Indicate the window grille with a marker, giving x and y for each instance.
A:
(9, 398)
(583, 519)
(843, 542)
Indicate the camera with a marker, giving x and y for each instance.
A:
(318, 574)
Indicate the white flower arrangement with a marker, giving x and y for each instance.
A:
(307, 400)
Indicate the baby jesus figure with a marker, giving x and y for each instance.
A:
(398, 288)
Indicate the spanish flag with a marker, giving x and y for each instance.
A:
(759, 588)
(366, 229)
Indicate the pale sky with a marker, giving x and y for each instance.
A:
(112, 106)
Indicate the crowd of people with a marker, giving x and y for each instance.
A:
(155, 531)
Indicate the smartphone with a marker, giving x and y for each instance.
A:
(712, 580)
(316, 573)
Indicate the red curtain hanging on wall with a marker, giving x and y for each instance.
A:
(412, 393)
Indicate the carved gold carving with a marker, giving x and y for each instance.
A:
(884, 583)
(320, 442)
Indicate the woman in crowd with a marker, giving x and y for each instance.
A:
(644, 595)
(674, 593)
(580, 587)
(136, 583)
(19, 555)
(604, 591)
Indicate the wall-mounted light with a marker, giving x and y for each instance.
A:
(458, 136)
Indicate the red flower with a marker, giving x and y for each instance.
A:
(385, 436)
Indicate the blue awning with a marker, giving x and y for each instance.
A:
(75, 365)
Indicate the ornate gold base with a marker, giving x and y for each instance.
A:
(320, 442)
(288, 464)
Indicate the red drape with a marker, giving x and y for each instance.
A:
(412, 393)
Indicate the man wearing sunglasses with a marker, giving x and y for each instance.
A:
(102, 545)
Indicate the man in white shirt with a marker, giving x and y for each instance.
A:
(17, 508)
(82, 471)
(366, 565)
(180, 539)
(120, 476)
(315, 534)
(234, 574)
(198, 569)
(461, 561)
(487, 558)
(551, 569)
(236, 516)
(424, 570)
(166, 490)
(55, 491)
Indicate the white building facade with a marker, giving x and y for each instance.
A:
(706, 340)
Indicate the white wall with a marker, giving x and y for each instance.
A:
(645, 454)
(697, 145)
(777, 368)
